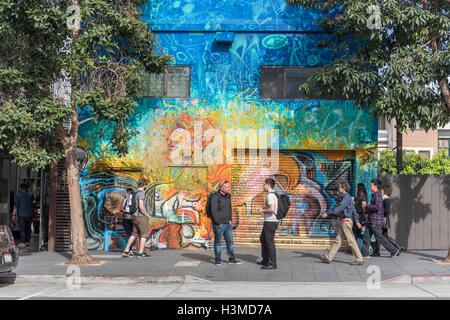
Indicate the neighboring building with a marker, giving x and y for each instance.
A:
(444, 138)
(418, 141)
(237, 66)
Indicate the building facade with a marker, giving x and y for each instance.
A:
(238, 66)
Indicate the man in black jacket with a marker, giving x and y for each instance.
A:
(220, 215)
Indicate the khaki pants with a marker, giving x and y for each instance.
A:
(345, 230)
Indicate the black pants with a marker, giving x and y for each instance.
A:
(376, 244)
(376, 230)
(25, 228)
(267, 239)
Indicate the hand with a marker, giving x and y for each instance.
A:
(324, 215)
(359, 225)
(261, 210)
(364, 205)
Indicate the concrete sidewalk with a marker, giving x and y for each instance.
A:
(197, 266)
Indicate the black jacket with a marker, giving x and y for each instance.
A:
(220, 208)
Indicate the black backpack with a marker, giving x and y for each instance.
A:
(130, 205)
(283, 205)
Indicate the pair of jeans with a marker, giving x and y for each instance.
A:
(376, 245)
(376, 230)
(267, 239)
(226, 231)
(25, 229)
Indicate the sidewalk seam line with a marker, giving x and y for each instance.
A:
(417, 286)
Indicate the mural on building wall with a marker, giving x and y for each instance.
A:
(224, 94)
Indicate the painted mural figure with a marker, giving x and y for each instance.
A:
(268, 249)
(221, 216)
(348, 215)
(141, 225)
(375, 222)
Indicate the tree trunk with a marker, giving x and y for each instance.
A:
(447, 260)
(399, 150)
(80, 254)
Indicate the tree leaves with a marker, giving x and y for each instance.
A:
(97, 70)
(395, 69)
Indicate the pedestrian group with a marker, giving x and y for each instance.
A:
(357, 220)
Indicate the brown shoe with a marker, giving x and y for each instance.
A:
(325, 258)
(357, 263)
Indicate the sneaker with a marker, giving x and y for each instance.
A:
(375, 254)
(393, 255)
(235, 262)
(142, 255)
(357, 263)
(218, 263)
(127, 254)
(269, 267)
(21, 245)
(325, 258)
(367, 257)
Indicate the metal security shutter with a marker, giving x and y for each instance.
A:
(62, 216)
(310, 179)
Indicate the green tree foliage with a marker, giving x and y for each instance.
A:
(98, 64)
(415, 163)
(399, 66)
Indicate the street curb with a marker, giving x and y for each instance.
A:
(416, 279)
(100, 279)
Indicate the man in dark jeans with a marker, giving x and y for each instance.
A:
(375, 222)
(221, 221)
(267, 238)
(23, 210)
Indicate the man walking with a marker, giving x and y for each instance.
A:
(221, 216)
(267, 238)
(348, 215)
(23, 210)
(141, 225)
(375, 222)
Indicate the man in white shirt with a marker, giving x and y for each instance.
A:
(267, 238)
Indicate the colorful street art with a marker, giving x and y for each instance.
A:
(321, 142)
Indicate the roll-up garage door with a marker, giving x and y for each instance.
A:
(309, 178)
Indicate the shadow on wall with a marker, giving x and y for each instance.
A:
(407, 205)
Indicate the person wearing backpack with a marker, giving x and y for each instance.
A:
(267, 238)
(348, 215)
(127, 209)
(218, 209)
(141, 225)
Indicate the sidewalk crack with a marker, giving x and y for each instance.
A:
(417, 286)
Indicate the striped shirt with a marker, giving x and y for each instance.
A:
(375, 210)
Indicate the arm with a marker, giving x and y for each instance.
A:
(373, 203)
(142, 208)
(387, 207)
(345, 203)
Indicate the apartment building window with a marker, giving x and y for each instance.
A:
(444, 144)
(282, 83)
(382, 122)
(173, 82)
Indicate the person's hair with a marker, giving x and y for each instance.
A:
(270, 182)
(129, 190)
(24, 186)
(221, 183)
(345, 185)
(142, 182)
(377, 183)
(387, 189)
(361, 192)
